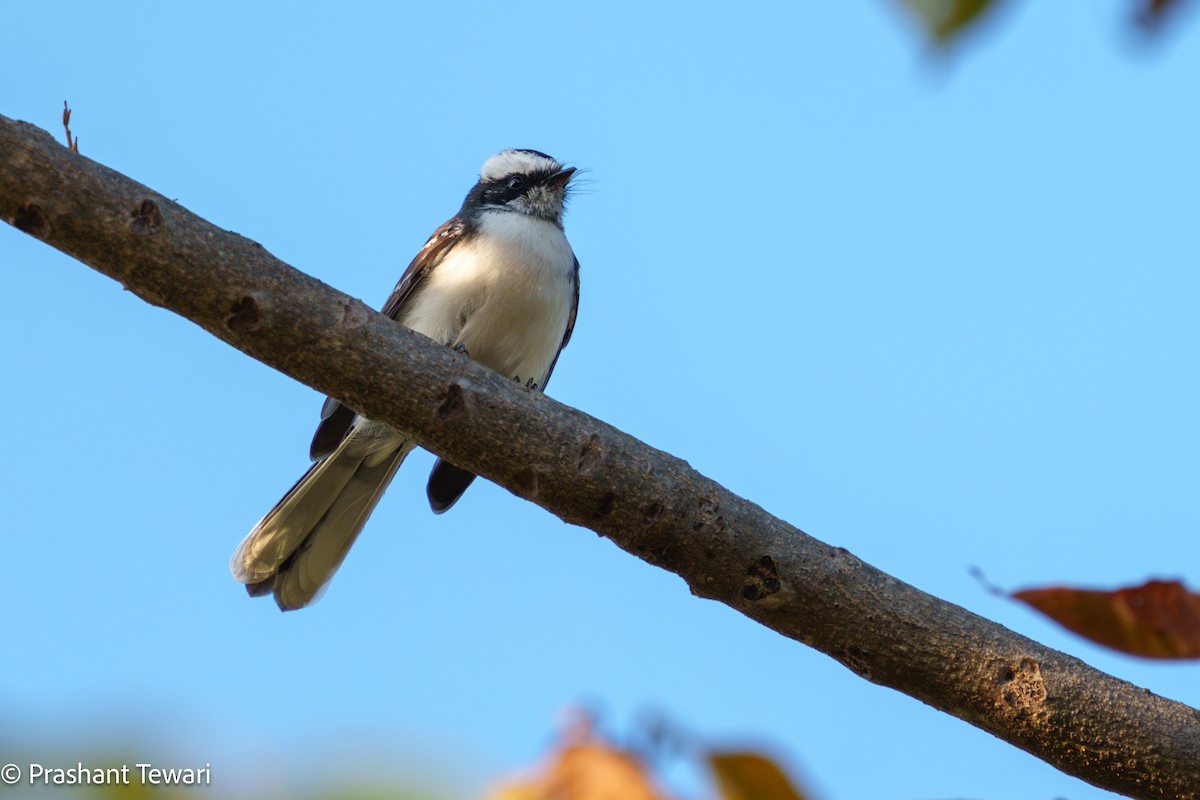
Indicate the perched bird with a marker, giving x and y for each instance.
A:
(498, 282)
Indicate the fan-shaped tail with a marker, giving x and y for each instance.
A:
(296, 548)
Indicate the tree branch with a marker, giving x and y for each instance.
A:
(1083, 721)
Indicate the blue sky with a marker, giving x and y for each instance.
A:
(939, 312)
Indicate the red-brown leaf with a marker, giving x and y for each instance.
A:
(1160, 619)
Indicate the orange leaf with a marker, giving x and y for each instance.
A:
(1160, 619)
(751, 776)
(591, 770)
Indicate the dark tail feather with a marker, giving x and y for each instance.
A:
(446, 484)
(261, 588)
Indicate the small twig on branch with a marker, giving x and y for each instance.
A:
(1083, 721)
(72, 144)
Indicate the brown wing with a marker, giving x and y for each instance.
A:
(448, 482)
(430, 255)
(336, 419)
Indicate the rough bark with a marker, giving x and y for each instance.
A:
(1085, 722)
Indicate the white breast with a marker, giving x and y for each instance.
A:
(505, 295)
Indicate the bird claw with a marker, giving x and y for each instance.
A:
(460, 348)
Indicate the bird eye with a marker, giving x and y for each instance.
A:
(516, 182)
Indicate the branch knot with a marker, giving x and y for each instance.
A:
(147, 219)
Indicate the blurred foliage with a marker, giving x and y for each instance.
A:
(751, 776)
(582, 764)
(1153, 13)
(586, 770)
(375, 793)
(946, 20)
(585, 765)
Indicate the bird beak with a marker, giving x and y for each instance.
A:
(559, 179)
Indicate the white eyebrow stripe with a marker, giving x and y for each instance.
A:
(509, 162)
